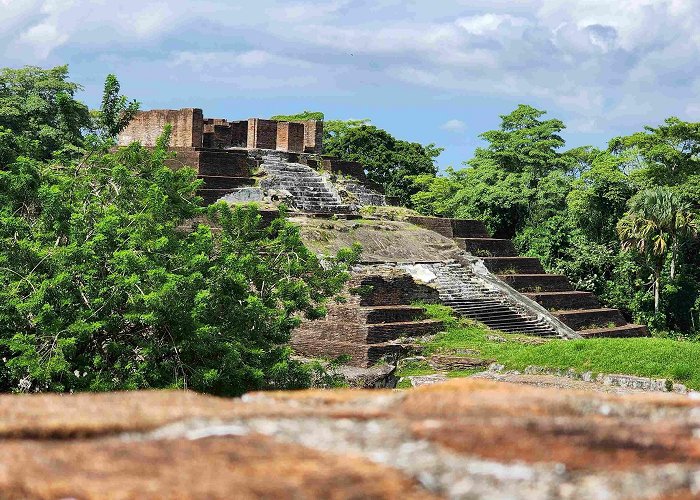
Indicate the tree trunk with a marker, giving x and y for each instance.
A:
(657, 288)
(674, 255)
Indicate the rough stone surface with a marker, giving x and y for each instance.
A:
(147, 126)
(468, 438)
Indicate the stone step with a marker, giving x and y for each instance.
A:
(583, 319)
(513, 265)
(537, 282)
(225, 182)
(223, 163)
(565, 300)
(487, 247)
(628, 330)
(362, 355)
(452, 228)
(392, 314)
(385, 332)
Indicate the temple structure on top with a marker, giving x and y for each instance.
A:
(191, 130)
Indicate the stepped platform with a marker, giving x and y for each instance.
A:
(539, 282)
(555, 301)
(467, 295)
(579, 310)
(374, 321)
(487, 247)
(583, 319)
(452, 228)
(628, 330)
(512, 265)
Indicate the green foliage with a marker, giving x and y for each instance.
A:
(389, 162)
(566, 208)
(101, 288)
(656, 224)
(305, 115)
(116, 112)
(38, 107)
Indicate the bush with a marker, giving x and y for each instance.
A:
(100, 288)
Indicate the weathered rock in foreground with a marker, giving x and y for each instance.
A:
(460, 439)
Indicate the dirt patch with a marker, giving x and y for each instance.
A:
(381, 240)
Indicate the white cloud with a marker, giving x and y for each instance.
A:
(488, 23)
(43, 38)
(602, 63)
(454, 125)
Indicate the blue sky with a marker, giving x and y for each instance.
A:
(436, 71)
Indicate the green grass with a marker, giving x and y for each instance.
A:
(414, 369)
(647, 357)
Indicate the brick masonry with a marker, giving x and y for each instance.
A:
(262, 134)
(290, 137)
(313, 136)
(376, 312)
(147, 126)
(350, 168)
(239, 133)
(191, 129)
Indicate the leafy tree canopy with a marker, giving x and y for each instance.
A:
(39, 114)
(568, 206)
(112, 276)
(304, 115)
(389, 162)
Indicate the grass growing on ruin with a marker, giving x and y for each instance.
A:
(648, 357)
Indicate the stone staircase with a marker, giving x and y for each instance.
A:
(470, 297)
(580, 311)
(311, 192)
(372, 325)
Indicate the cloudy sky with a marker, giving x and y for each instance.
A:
(431, 70)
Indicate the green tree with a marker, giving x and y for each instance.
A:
(523, 144)
(112, 276)
(389, 162)
(304, 115)
(39, 109)
(666, 155)
(599, 196)
(116, 111)
(655, 225)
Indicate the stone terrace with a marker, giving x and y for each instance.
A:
(579, 310)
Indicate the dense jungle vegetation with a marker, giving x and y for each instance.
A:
(100, 289)
(621, 222)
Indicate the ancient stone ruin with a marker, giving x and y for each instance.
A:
(416, 260)
(257, 160)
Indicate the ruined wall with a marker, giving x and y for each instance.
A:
(351, 168)
(239, 133)
(365, 326)
(217, 133)
(147, 126)
(290, 137)
(262, 134)
(313, 136)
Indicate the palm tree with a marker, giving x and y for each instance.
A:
(656, 222)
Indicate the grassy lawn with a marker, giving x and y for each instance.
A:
(647, 357)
